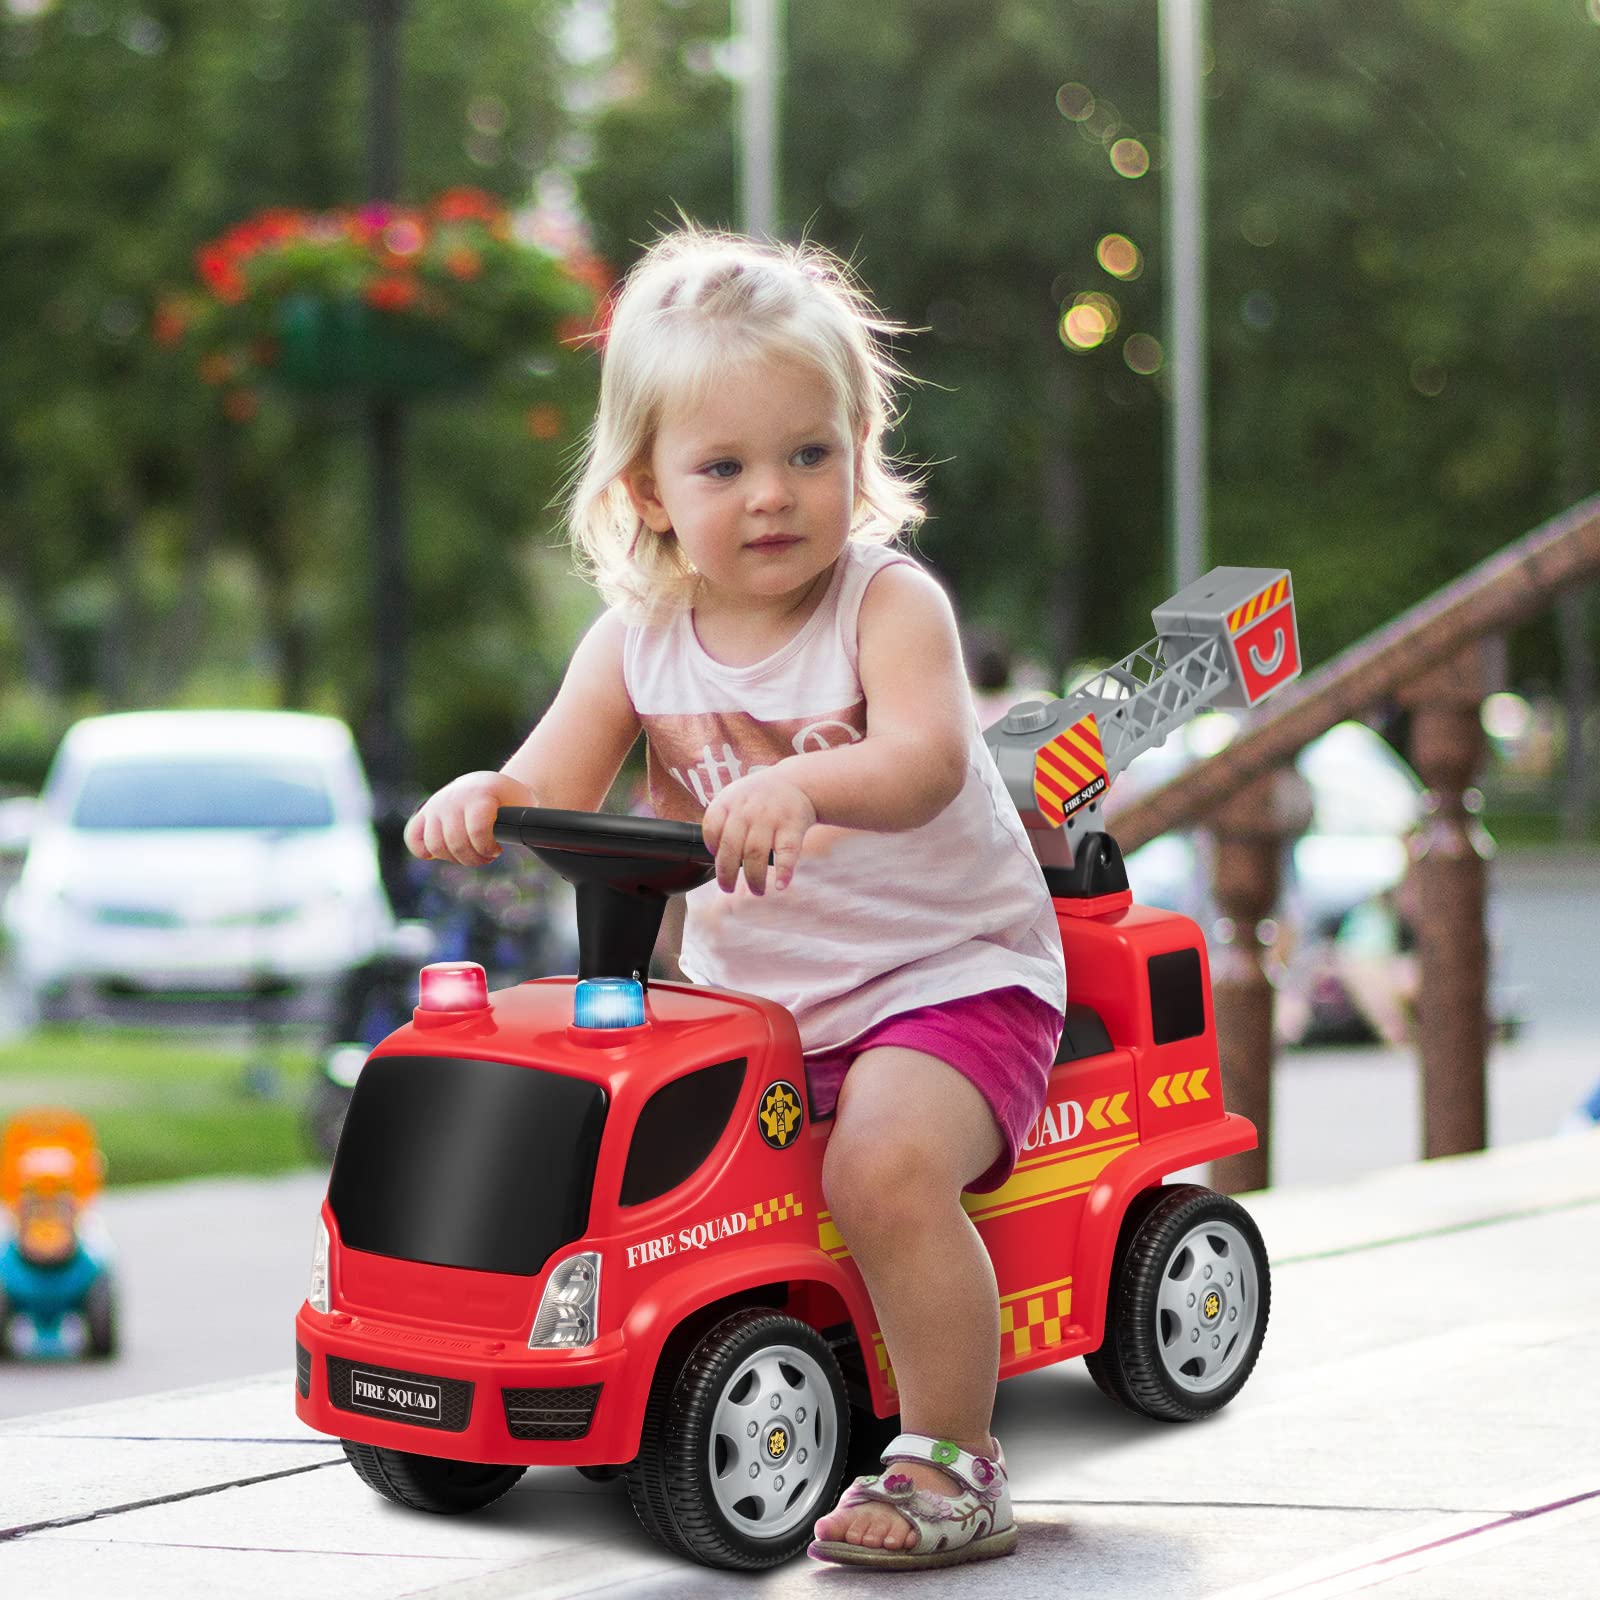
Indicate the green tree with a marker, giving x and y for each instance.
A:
(152, 549)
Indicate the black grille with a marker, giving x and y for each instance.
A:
(455, 1396)
(302, 1369)
(550, 1413)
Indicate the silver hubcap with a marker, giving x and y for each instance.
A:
(1207, 1307)
(773, 1434)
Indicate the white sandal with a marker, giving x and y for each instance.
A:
(971, 1526)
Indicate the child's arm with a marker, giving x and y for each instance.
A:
(568, 762)
(910, 766)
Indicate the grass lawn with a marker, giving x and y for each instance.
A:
(166, 1106)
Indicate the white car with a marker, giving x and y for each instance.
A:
(198, 851)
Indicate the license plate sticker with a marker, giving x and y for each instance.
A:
(395, 1397)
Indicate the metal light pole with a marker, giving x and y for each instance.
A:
(385, 435)
(1183, 245)
(757, 25)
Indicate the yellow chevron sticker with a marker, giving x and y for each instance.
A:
(766, 1212)
(1033, 1319)
(1107, 1112)
(1242, 616)
(1179, 1088)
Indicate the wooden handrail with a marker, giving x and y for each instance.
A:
(1509, 585)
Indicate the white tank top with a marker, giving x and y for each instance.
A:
(873, 923)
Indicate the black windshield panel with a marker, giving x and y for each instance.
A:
(462, 1163)
(203, 794)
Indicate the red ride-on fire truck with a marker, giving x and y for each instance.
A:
(580, 1221)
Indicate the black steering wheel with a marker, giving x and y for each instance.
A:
(623, 869)
(638, 840)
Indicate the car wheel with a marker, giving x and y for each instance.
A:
(100, 1317)
(1102, 1363)
(1188, 1306)
(429, 1483)
(744, 1444)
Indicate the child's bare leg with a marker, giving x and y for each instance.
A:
(909, 1133)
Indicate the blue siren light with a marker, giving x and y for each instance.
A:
(608, 1003)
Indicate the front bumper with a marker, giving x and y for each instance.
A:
(494, 1400)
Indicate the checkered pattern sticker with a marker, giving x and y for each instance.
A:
(1033, 1319)
(767, 1212)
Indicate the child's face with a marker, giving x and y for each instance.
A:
(759, 483)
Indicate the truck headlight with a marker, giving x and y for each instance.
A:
(569, 1308)
(317, 1294)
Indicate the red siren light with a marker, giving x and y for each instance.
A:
(453, 986)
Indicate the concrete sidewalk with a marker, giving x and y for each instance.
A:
(1423, 1420)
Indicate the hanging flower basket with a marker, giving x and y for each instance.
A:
(382, 300)
(348, 346)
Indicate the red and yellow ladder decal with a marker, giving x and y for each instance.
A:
(1243, 616)
(1070, 771)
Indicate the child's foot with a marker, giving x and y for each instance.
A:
(882, 1527)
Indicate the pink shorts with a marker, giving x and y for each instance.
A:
(1002, 1041)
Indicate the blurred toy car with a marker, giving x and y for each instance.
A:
(197, 851)
(57, 1293)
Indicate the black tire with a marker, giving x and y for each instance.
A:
(601, 1474)
(690, 1485)
(1102, 1364)
(1168, 1353)
(100, 1317)
(326, 1106)
(429, 1483)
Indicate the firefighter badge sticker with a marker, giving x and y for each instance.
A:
(779, 1115)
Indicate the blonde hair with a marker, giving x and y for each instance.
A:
(698, 303)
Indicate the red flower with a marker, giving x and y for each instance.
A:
(467, 205)
(391, 293)
(463, 263)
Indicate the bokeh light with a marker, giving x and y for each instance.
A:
(403, 238)
(1084, 327)
(1506, 715)
(1120, 256)
(1130, 158)
(1427, 378)
(1075, 102)
(1102, 123)
(1104, 304)
(1143, 354)
(1258, 310)
(1259, 226)
(1594, 12)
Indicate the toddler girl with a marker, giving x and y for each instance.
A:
(799, 683)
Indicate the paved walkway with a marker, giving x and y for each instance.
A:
(1421, 1422)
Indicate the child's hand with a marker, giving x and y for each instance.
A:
(457, 824)
(752, 816)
